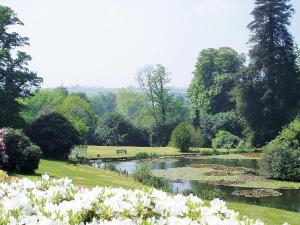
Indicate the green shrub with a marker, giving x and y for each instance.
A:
(146, 155)
(281, 163)
(55, 135)
(22, 155)
(224, 139)
(110, 166)
(210, 194)
(211, 124)
(143, 174)
(289, 137)
(182, 137)
(116, 130)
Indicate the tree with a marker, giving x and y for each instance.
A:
(104, 103)
(153, 80)
(115, 130)
(297, 53)
(182, 137)
(268, 91)
(79, 111)
(214, 78)
(43, 102)
(135, 106)
(16, 80)
(55, 135)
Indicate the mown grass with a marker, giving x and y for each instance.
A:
(84, 175)
(110, 151)
(231, 156)
(269, 216)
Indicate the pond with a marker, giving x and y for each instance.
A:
(289, 200)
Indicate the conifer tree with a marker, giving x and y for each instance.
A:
(268, 91)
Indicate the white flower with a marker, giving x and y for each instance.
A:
(59, 202)
(45, 177)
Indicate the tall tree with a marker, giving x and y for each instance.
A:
(16, 80)
(153, 80)
(214, 79)
(269, 89)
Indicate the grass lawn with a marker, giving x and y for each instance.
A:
(233, 156)
(269, 216)
(84, 175)
(110, 151)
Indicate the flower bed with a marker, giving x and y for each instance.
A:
(58, 201)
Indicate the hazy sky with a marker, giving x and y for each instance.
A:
(104, 42)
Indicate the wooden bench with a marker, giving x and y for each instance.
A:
(121, 151)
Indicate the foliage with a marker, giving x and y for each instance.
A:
(211, 124)
(115, 130)
(268, 90)
(210, 194)
(153, 81)
(135, 106)
(143, 175)
(3, 154)
(16, 80)
(182, 137)
(289, 137)
(225, 139)
(55, 135)
(110, 166)
(214, 79)
(104, 103)
(197, 139)
(146, 155)
(79, 111)
(43, 102)
(281, 163)
(22, 155)
(297, 53)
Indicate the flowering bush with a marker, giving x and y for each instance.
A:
(3, 155)
(3, 176)
(57, 201)
(17, 153)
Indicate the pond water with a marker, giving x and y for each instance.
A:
(289, 200)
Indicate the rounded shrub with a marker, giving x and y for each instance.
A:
(225, 139)
(20, 154)
(281, 163)
(289, 137)
(55, 135)
(182, 137)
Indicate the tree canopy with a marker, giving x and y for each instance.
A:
(214, 78)
(16, 80)
(268, 90)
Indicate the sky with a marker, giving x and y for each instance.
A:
(104, 42)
